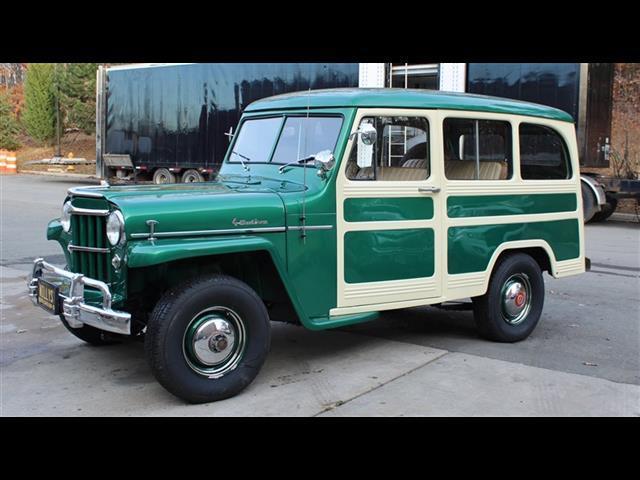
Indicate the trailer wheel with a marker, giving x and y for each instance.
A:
(163, 175)
(192, 176)
(606, 210)
(589, 203)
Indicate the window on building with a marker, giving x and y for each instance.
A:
(543, 153)
(401, 151)
(477, 149)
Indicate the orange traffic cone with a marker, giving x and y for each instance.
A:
(3, 162)
(12, 167)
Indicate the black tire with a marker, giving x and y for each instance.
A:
(168, 349)
(91, 335)
(589, 203)
(192, 176)
(491, 316)
(606, 210)
(162, 176)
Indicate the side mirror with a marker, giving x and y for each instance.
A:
(368, 134)
(324, 162)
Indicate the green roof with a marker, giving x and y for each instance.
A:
(404, 98)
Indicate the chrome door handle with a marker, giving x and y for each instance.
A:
(429, 189)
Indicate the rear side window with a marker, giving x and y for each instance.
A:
(477, 149)
(543, 154)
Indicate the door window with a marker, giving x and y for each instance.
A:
(401, 151)
(477, 149)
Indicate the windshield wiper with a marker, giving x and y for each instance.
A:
(301, 161)
(241, 157)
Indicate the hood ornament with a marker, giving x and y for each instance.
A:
(152, 228)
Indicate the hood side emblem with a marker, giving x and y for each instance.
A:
(244, 223)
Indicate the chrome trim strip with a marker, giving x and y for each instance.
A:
(78, 248)
(311, 227)
(88, 212)
(199, 233)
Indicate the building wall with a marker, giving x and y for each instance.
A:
(625, 123)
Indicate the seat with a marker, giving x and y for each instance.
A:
(402, 173)
(465, 170)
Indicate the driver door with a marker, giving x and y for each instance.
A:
(388, 205)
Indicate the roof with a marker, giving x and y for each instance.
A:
(405, 98)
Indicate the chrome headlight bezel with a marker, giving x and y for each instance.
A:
(65, 216)
(115, 228)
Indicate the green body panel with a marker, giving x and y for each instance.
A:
(495, 205)
(311, 262)
(405, 98)
(388, 209)
(145, 253)
(470, 248)
(213, 207)
(377, 255)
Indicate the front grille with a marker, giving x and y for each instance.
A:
(90, 231)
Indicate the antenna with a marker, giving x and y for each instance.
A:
(303, 219)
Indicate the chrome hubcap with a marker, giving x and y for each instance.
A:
(516, 299)
(214, 341)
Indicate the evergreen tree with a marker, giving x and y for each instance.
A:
(8, 124)
(39, 110)
(77, 83)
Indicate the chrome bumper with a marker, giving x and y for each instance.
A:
(75, 311)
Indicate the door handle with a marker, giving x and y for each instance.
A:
(428, 189)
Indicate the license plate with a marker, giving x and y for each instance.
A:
(48, 297)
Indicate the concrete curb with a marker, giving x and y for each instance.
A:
(57, 174)
(624, 217)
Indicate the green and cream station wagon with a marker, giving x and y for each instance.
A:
(331, 206)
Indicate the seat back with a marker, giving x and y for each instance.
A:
(465, 170)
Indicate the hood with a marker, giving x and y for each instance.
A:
(194, 207)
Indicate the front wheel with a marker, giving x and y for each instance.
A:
(512, 306)
(207, 339)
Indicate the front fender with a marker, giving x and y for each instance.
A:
(154, 252)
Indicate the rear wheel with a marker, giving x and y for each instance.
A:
(207, 339)
(163, 175)
(512, 306)
(192, 176)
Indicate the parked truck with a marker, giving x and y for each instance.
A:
(170, 123)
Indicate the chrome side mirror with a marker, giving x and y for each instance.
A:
(368, 134)
(324, 162)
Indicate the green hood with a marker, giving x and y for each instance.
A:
(195, 207)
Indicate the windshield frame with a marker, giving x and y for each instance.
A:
(284, 116)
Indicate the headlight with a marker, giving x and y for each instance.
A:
(65, 216)
(115, 227)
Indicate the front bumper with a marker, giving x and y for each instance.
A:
(76, 312)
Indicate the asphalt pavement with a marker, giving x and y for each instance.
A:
(583, 359)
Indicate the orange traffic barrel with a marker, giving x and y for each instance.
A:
(12, 167)
(3, 162)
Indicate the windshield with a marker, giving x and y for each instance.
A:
(300, 137)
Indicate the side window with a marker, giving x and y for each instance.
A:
(543, 153)
(477, 149)
(401, 151)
